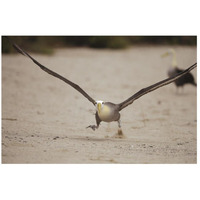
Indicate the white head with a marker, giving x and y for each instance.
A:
(169, 52)
(173, 54)
(99, 105)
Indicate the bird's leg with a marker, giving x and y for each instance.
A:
(98, 121)
(120, 133)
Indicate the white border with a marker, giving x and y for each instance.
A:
(100, 18)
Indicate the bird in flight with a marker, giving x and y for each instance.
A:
(106, 111)
(173, 70)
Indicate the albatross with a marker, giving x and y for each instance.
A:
(188, 78)
(106, 111)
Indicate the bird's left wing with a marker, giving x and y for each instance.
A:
(153, 87)
(75, 86)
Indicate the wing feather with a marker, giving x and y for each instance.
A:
(75, 86)
(154, 87)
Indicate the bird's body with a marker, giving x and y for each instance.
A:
(106, 111)
(174, 70)
(186, 79)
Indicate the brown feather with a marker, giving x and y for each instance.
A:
(75, 86)
(154, 87)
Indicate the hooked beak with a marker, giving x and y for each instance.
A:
(99, 107)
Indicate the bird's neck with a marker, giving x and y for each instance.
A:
(174, 61)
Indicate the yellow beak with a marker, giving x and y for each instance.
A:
(99, 107)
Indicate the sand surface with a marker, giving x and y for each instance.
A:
(44, 120)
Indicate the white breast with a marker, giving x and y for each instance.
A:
(105, 114)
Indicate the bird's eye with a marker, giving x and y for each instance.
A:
(102, 102)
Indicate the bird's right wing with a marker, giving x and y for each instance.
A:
(153, 87)
(75, 86)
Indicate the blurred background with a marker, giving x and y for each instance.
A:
(45, 44)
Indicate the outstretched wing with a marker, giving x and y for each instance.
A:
(153, 87)
(75, 86)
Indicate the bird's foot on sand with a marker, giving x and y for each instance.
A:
(119, 134)
(93, 127)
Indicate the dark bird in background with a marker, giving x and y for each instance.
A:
(107, 111)
(173, 70)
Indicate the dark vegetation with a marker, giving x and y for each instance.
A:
(45, 44)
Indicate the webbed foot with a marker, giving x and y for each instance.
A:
(119, 134)
(93, 127)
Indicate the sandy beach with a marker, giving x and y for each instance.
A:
(44, 120)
